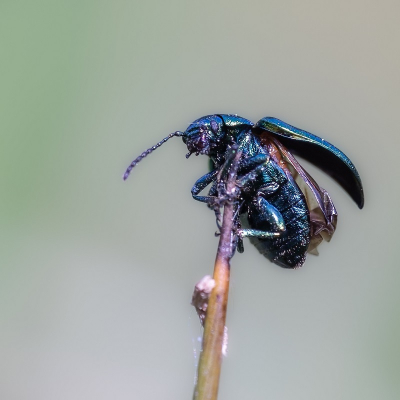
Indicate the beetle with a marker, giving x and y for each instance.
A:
(288, 213)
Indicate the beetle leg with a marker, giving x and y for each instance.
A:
(244, 180)
(268, 189)
(252, 167)
(252, 162)
(248, 170)
(267, 220)
(202, 183)
(238, 242)
(230, 155)
(212, 199)
(242, 233)
(239, 246)
(213, 193)
(217, 195)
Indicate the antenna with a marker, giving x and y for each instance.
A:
(148, 151)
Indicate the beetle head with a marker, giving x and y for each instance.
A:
(205, 135)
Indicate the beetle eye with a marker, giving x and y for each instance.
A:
(214, 126)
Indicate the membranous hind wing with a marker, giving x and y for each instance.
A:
(323, 215)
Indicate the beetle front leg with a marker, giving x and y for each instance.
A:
(250, 169)
(202, 183)
(211, 199)
(217, 195)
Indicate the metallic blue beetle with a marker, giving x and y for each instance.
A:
(288, 213)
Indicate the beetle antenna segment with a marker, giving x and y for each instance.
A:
(148, 151)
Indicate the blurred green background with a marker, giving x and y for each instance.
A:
(96, 274)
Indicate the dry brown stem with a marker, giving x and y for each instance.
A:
(211, 355)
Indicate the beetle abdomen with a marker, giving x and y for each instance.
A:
(290, 248)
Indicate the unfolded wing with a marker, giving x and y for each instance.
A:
(323, 215)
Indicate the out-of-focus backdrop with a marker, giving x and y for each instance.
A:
(96, 274)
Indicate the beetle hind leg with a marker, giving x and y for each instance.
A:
(266, 220)
(242, 233)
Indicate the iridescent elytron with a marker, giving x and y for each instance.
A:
(288, 213)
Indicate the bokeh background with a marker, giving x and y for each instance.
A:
(96, 274)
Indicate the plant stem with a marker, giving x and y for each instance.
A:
(211, 355)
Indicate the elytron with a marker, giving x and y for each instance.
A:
(288, 213)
